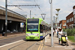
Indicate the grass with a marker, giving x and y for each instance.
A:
(71, 38)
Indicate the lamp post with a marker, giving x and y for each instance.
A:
(43, 16)
(30, 13)
(56, 20)
(50, 1)
(57, 17)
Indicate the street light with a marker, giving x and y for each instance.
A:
(54, 21)
(57, 10)
(43, 16)
(50, 1)
(57, 16)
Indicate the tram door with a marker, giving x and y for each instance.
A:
(41, 28)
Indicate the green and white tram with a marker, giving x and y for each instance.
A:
(34, 29)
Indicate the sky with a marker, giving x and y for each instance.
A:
(65, 6)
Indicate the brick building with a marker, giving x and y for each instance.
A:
(70, 20)
(62, 24)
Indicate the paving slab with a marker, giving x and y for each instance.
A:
(56, 45)
(11, 36)
(37, 45)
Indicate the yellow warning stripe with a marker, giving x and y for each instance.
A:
(40, 46)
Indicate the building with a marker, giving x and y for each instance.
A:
(70, 20)
(14, 21)
(62, 24)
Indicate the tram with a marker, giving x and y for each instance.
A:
(34, 29)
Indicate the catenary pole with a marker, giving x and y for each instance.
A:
(5, 17)
(30, 13)
(50, 1)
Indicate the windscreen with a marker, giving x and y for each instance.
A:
(32, 25)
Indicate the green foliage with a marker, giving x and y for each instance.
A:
(70, 32)
(64, 30)
(71, 38)
(73, 31)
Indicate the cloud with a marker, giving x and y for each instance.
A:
(66, 7)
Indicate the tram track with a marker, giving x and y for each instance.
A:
(16, 45)
(31, 46)
(26, 43)
(40, 45)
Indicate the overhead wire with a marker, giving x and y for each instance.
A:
(15, 6)
(38, 6)
(22, 9)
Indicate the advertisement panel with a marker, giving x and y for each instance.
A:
(21, 25)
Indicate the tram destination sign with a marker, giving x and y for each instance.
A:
(33, 21)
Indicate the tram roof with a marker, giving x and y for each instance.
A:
(42, 22)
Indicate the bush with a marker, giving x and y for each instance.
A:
(64, 30)
(71, 38)
(73, 31)
(70, 32)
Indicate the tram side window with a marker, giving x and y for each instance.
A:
(41, 29)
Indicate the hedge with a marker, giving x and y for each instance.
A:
(70, 32)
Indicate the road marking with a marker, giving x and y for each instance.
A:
(10, 43)
(40, 46)
(31, 46)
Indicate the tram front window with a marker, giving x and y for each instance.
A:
(32, 28)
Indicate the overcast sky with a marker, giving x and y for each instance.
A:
(66, 7)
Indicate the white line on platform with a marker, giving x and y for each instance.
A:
(10, 43)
